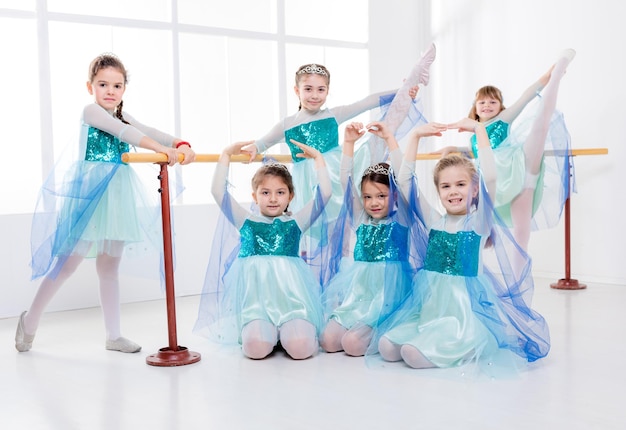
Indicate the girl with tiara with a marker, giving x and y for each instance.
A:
(98, 207)
(371, 284)
(263, 292)
(461, 309)
(317, 126)
(527, 180)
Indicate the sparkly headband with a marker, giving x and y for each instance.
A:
(378, 169)
(108, 54)
(312, 69)
(277, 165)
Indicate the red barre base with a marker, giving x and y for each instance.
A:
(169, 357)
(568, 284)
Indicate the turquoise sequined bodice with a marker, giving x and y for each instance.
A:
(321, 135)
(497, 132)
(277, 238)
(454, 254)
(102, 146)
(381, 242)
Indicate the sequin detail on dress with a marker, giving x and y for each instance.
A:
(381, 242)
(321, 135)
(497, 132)
(277, 238)
(102, 146)
(454, 254)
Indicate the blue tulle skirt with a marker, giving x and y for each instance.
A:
(97, 207)
(359, 293)
(276, 289)
(444, 328)
(551, 187)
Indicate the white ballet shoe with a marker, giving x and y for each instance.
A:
(427, 59)
(123, 345)
(568, 55)
(23, 341)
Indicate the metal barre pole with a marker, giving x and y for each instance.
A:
(173, 354)
(153, 157)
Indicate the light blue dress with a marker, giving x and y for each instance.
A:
(269, 281)
(380, 259)
(507, 137)
(371, 283)
(444, 327)
(462, 309)
(99, 204)
(255, 271)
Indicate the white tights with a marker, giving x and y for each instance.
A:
(354, 342)
(412, 356)
(402, 101)
(298, 337)
(521, 206)
(330, 340)
(107, 268)
(389, 351)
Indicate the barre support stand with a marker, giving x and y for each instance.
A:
(172, 355)
(568, 283)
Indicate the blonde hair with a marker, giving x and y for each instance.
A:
(453, 160)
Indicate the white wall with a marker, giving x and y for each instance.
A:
(508, 44)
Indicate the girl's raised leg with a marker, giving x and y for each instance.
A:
(521, 206)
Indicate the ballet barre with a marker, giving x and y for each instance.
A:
(175, 355)
(153, 157)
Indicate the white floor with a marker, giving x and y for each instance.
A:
(69, 381)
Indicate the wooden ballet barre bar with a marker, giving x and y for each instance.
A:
(149, 157)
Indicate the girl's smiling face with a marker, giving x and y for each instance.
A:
(312, 90)
(456, 190)
(487, 108)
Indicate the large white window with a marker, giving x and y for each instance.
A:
(210, 72)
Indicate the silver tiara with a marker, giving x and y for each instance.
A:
(273, 163)
(312, 69)
(378, 169)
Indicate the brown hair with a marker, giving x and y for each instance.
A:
(312, 69)
(102, 62)
(273, 169)
(378, 173)
(484, 92)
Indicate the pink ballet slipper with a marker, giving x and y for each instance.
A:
(427, 59)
